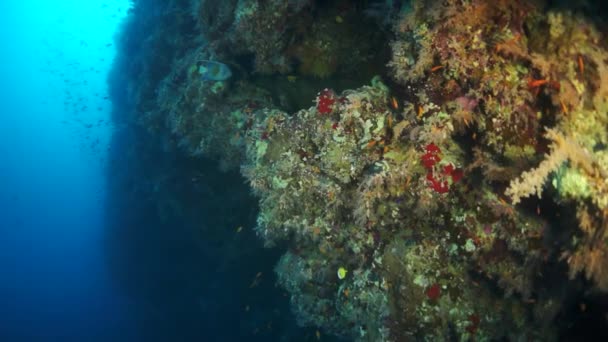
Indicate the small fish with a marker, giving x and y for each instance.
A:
(292, 78)
(420, 112)
(239, 229)
(564, 107)
(534, 83)
(394, 103)
(342, 273)
(256, 281)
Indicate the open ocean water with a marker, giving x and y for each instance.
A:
(55, 283)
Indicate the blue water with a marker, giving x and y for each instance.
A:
(54, 136)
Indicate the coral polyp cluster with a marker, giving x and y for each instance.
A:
(439, 177)
(456, 195)
(325, 101)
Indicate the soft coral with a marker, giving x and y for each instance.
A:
(438, 180)
(325, 101)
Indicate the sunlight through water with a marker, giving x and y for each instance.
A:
(53, 139)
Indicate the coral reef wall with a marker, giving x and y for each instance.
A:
(179, 234)
(433, 170)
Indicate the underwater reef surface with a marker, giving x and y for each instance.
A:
(422, 170)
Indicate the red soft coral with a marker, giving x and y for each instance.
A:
(438, 178)
(325, 101)
(434, 291)
(431, 157)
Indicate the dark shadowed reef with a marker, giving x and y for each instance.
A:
(174, 246)
(367, 170)
(180, 239)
